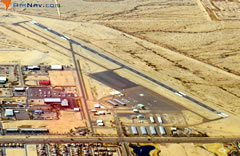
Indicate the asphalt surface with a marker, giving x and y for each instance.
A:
(84, 96)
(65, 139)
(113, 80)
(126, 67)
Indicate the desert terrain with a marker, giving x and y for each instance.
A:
(176, 42)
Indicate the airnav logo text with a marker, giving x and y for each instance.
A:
(29, 5)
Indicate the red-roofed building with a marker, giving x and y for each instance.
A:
(44, 82)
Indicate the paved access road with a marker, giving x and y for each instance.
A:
(66, 139)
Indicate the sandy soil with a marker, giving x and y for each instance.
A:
(62, 78)
(85, 10)
(12, 152)
(66, 122)
(192, 118)
(186, 149)
(183, 150)
(173, 41)
(224, 127)
(218, 149)
(31, 150)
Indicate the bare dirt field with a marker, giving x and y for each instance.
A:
(66, 122)
(186, 149)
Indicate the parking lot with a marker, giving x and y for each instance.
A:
(47, 92)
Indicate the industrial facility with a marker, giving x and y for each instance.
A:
(27, 94)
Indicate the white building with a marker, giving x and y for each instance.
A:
(9, 113)
(101, 112)
(56, 67)
(33, 67)
(19, 89)
(96, 105)
(52, 100)
(93, 110)
(3, 79)
(100, 124)
(114, 93)
(64, 103)
(99, 121)
(76, 109)
(135, 110)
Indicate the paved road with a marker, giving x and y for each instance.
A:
(64, 139)
(20, 75)
(84, 97)
(126, 67)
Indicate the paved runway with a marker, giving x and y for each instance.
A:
(128, 68)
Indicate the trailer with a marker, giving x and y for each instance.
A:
(160, 119)
(162, 130)
(134, 130)
(152, 119)
(153, 130)
(12, 130)
(111, 102)
(122, 103)
(143, 130)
